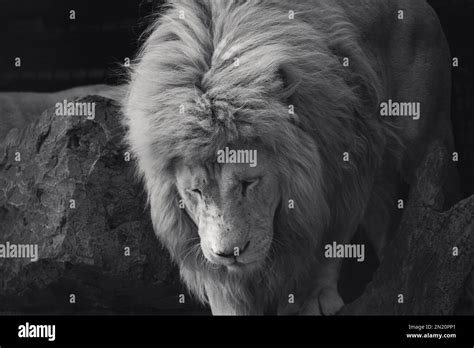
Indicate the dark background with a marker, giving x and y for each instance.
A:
(59, 53)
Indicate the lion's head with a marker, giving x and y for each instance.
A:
(242, 75)
(233, 207)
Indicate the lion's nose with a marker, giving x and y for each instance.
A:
(234, 252)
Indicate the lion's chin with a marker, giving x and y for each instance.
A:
(239, 268)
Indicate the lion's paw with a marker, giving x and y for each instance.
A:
(330, 301)
(325, 301)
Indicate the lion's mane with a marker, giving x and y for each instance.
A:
(187, 99)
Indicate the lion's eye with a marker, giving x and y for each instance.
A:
(246, 184)
(196, 191)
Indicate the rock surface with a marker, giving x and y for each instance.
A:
(421, 262)
(66, 185)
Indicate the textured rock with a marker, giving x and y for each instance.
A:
(419, 263)
(82, 248)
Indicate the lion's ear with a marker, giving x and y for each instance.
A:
(289, 79)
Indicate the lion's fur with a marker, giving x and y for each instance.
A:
(281, 61)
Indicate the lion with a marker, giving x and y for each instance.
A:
(302, 83)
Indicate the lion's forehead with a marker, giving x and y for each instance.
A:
(228, 163)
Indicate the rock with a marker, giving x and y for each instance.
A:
(420, 263)
(73, 193)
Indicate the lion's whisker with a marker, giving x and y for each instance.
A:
(194, 247)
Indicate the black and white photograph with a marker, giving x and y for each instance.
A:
(301, 165)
